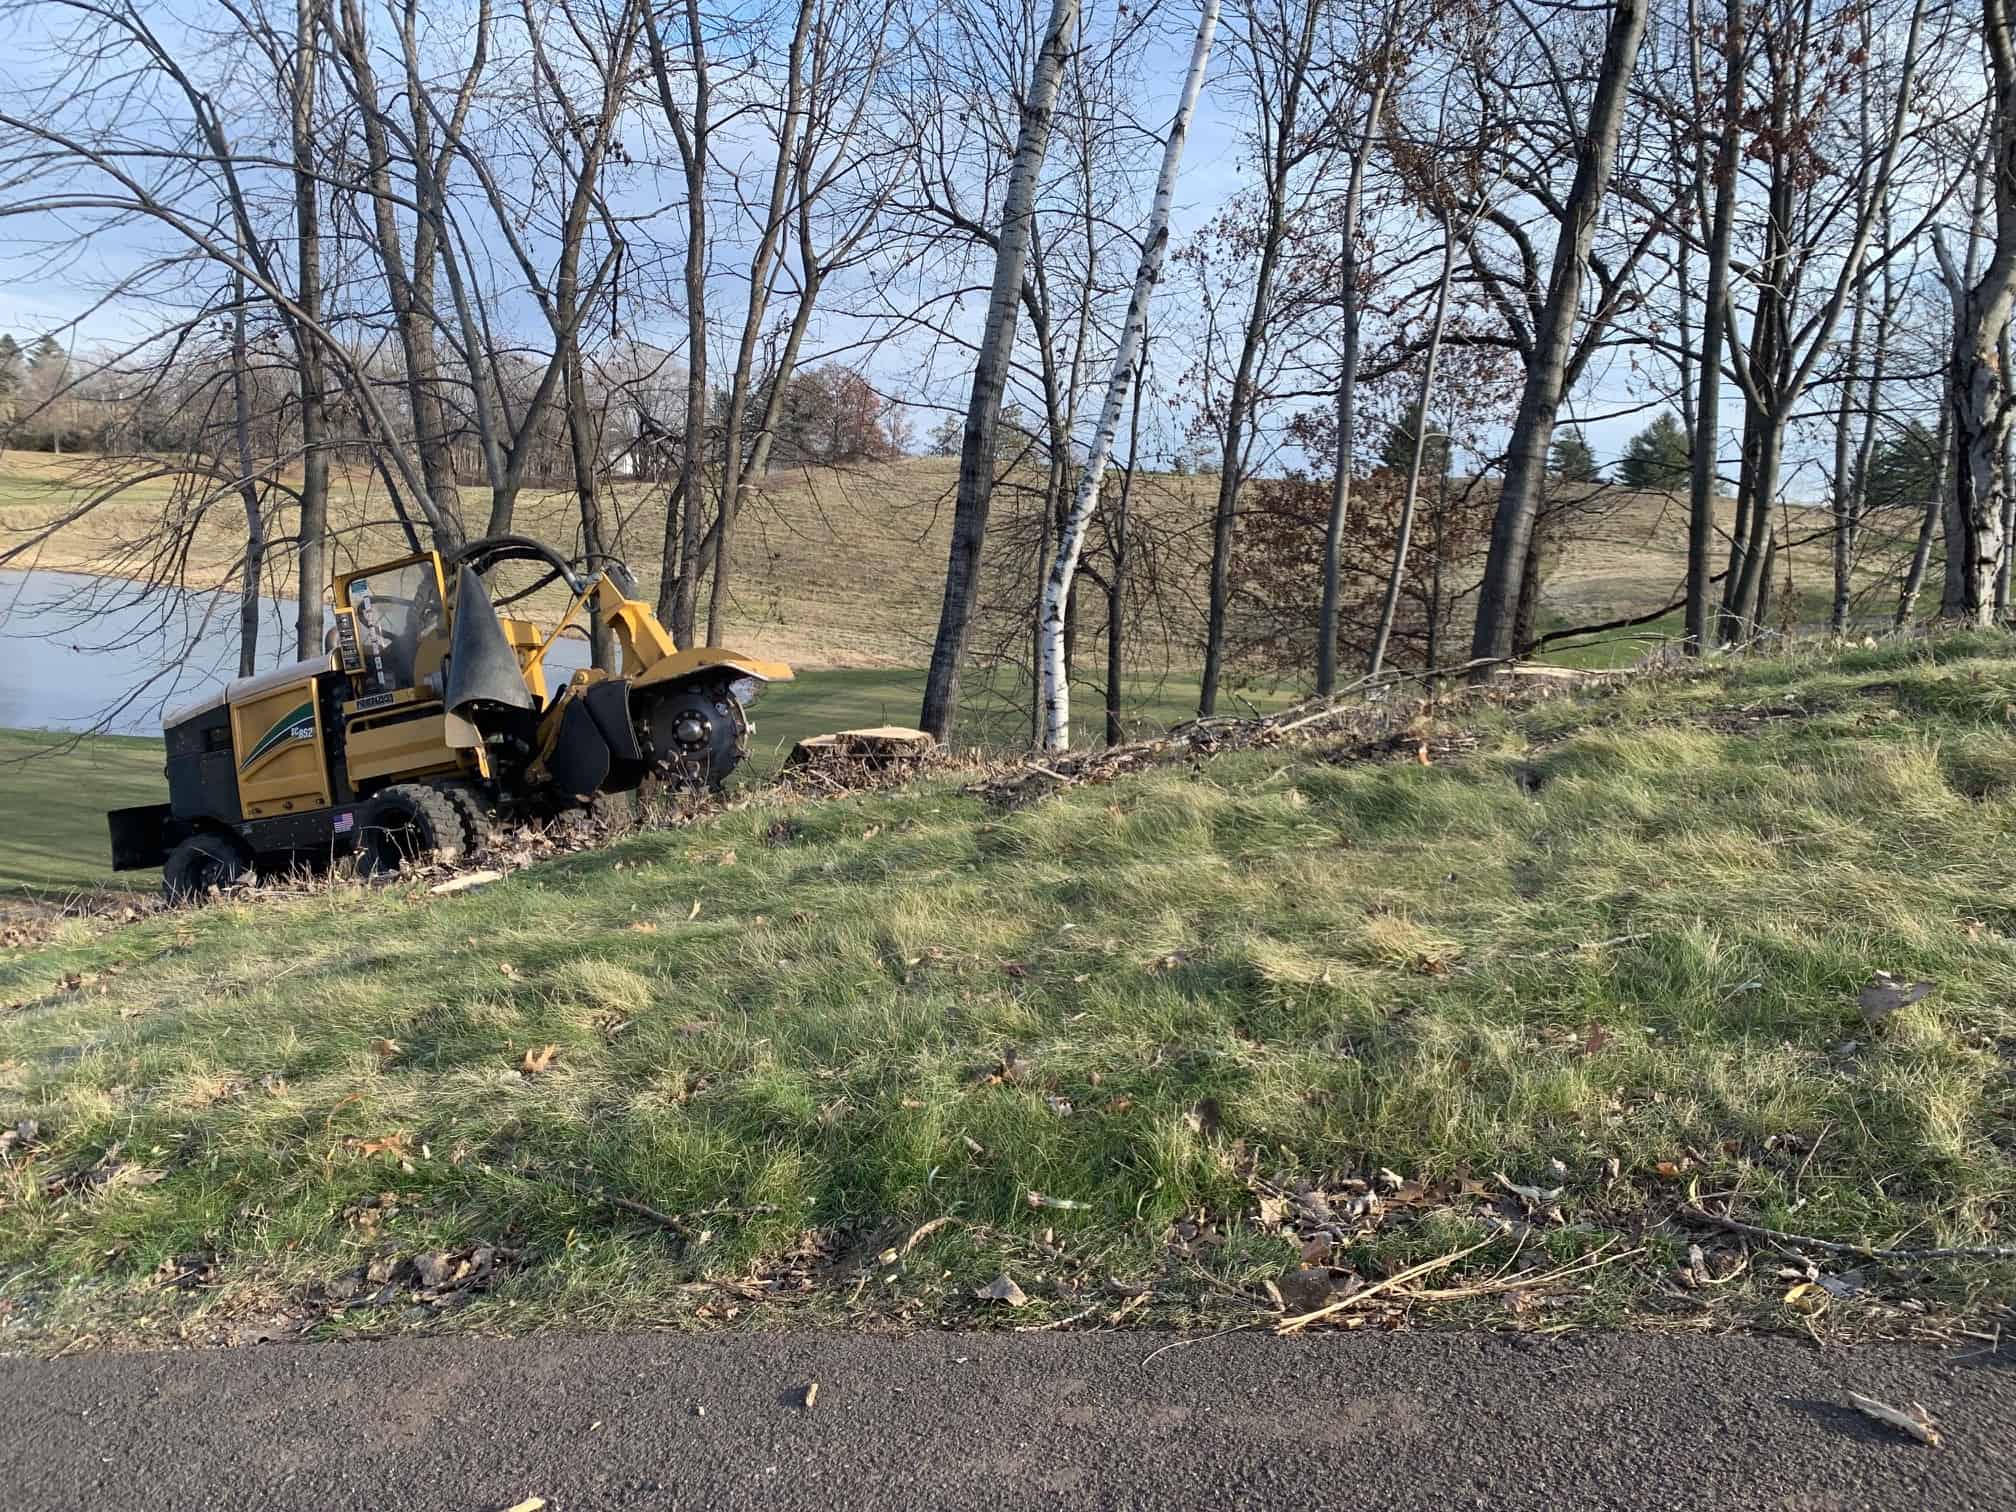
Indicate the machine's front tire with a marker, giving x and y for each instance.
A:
(409, 822)
(200, 863)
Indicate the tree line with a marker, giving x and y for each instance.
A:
(646, 252)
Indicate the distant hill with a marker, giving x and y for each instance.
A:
(841, 567)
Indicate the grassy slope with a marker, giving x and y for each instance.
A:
(770, 1023)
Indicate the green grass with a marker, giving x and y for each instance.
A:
(53, 796)
(1629, 926)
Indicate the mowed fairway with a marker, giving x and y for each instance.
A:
(54, 791)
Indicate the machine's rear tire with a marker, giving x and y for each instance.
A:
(200, 863)
(409, 822)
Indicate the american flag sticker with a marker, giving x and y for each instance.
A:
(344, 823)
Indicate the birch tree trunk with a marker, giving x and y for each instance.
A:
(1553, 333)
(1054, 672)
(990, 377)
(1980, 393)
(1390, 609)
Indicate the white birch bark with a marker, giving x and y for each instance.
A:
(1056, 682)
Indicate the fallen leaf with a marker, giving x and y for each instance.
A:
(812, 1388)
(693, 912)
(508, 970)
(1001, 1289)
(385, 1049)
(1917, 1422)
(1885, 994)
(1808, 1299)
(539, 1060)
(1421, 754)
(644, 926)
(1671, 1170)
(1014, 969)
(530, 1504)
(389, 1144)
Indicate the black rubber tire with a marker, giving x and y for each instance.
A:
(409, 821)
(481, 818)
(200, 863)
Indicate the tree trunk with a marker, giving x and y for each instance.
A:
(761, 266)
(248, 489)
(1116, 582)
(1533, 429)
(1921, 555)
(1844, 471)
(1704, 474)
(1980, 387)
(990, 376)
(1349, 317)
(312, 553)
(1239, 402)
(1055, 666)
(1389, 610)
(1750, 578)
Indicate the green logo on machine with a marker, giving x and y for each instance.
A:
(296, 724)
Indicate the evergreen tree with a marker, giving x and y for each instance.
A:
(48, 352)
(1658, 456)
(1904, 468)
(1571, 460)
(1397, 455)
(10, 366)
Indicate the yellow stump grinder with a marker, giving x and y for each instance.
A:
(432, 719)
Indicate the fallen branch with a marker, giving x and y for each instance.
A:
(1296, 1324)
(1860, 1251)
(1917, 1422)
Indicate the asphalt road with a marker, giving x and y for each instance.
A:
(1004, 1421)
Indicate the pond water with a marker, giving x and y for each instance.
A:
(91, 653)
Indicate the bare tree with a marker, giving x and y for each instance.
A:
(983, 411)
(1055, 669)
(1553, 334)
